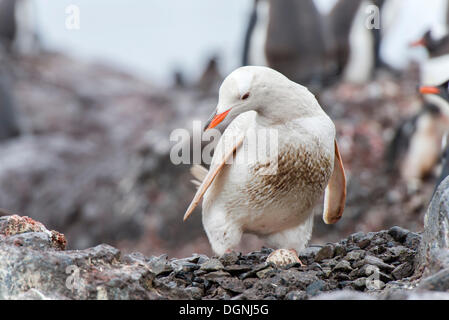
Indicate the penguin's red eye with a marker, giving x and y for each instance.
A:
(245, 96)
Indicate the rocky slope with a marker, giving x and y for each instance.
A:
(390, 264)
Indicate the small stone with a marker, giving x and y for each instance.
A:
(212, 265)
(326, 252)
(326, 272)
(355, 255)
(252, 273)
(373, 261)
(339, 250)
(364, 243)
(374, 284)
(412, 240)
(399, 234)
(359, 284)
(367, 270)
(232, 284)
(229, 258)
(344, 266)
(354, 273)
(329, 263)
(315, 288)
(308, 253)
(296, 295)
(402, 271)
(315, 266)
(237, 268)
(377, 250)
(283, 257)
(213, 276)
(160, 265)
(357, 237)
(264, 272)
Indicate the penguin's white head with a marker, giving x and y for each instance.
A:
(263, 90)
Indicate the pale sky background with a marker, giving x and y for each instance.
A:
(154, 37)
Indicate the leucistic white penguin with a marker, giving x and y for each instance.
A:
(288, 37)
(270, 195)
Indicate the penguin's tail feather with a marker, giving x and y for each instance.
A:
(199, 173)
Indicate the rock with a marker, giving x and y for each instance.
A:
(264, 272)
(296, 295)
(436, 282)
(399, 234)
(229, 258)
(344, 266)
(308, 253)
(357, 237)
(212, 265)
(326, 252)
(44, 270)
(283, 257)
(370, 260)
(160, 265)
(340, 250)
(316, 287)
(412, 240)
(355, 255)
(402, 271)
(359, 284)
(433, 258)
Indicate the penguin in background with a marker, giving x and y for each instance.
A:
(435, 47)
(18, 28)
(9, 126)
(287, 36)
(435, 69)
(211, 78)
(8, 24)
(353, 48)
(440, 93)
(416, 146)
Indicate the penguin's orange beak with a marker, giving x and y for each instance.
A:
(419, 43)
(429, 90)
(216, 119)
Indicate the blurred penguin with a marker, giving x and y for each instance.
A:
(9, 127)
(434, 70)
(435, 46)
(8, 25)
(18, 31)
(440, 94)
(420, 137)
(287, 36)
(354, 48)
(211, 78)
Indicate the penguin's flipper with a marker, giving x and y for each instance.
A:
(211, 174)
(335, 194)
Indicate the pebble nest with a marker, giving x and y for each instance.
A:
(364, 262)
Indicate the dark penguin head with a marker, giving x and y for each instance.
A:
(295, 42)
(435, 47)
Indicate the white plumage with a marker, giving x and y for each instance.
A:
(271, 193)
